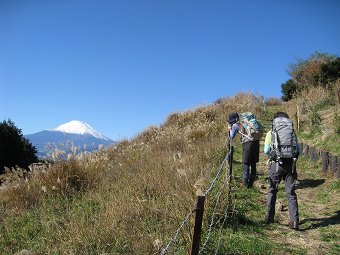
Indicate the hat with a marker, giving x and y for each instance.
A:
(233, 118)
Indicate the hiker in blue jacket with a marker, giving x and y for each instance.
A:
(250, 150)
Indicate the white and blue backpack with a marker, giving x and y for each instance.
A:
(253, 129)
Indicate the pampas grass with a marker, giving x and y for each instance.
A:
(127, 199)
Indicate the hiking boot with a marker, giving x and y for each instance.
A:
(245, 183)
(297, 183)
(293, 225)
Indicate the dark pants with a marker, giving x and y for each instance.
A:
(248, 179)
(276, 174)
(250, 156)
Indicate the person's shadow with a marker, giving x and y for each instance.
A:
(310, 183)
(322, 222)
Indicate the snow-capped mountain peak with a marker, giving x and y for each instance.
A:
(79, 128)
(76, 133)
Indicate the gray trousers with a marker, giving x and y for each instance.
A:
(276, 174)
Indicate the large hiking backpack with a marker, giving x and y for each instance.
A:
(253, 130)
(283, 139)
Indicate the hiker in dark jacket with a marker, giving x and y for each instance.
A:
(250, 150)
(282, 168)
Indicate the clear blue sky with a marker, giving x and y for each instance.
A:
(124, 65)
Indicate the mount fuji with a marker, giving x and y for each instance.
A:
(75, 133)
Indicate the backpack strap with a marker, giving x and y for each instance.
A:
(243, 136)
(246, 136)
(275, 148)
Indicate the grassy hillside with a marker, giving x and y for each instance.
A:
(131, 198)
(319, 116)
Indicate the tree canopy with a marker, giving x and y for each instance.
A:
(288, 89)
(320, 69)
(15, 150)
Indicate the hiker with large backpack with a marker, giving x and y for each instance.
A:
(282, 147)
(250, 131)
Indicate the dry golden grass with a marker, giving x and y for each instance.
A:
(273, 101)
(316, 99)
(130, 198)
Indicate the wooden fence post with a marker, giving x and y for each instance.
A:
(325, 161)
(338, 171)
(229, 144)
(298, 117)
(306, 150)
(230, 160)
(314, 154)
(333, 164)
(196, 239)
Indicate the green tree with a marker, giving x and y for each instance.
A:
(329, 72)
(306, 72)
(320, 69)
(14, 148)
(288, 89)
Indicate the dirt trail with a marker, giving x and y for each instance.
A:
(319, 217)
(319, 208)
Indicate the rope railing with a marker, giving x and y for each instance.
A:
(227, 161)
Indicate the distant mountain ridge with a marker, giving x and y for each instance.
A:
(76, 133)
